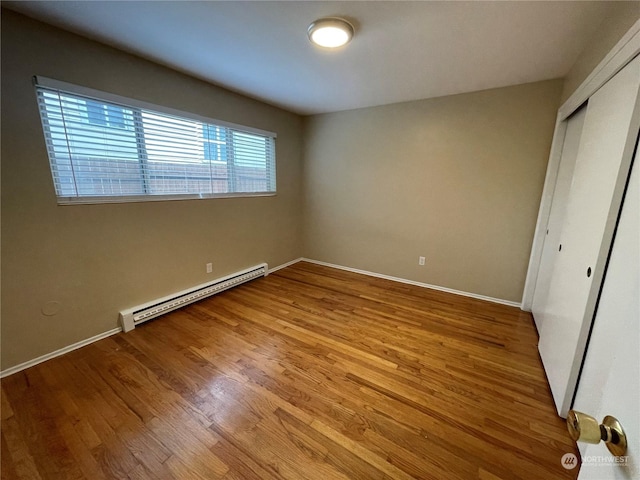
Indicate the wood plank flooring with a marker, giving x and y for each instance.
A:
(309, 373)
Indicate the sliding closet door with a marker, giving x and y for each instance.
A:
(601, 170)
(540, 307)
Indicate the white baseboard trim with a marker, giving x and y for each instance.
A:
(57, 353)
(82, 343)
(412, 282)
(284, 265)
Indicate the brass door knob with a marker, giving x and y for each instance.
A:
(585, 428)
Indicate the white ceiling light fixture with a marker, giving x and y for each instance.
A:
(330, 32)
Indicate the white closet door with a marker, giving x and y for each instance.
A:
(540, 307)
(610, 380)
(602, 168)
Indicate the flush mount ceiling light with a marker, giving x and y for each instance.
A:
(331, 32)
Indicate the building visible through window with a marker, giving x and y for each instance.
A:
(102, 150)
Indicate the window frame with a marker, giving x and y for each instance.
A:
(92, 94)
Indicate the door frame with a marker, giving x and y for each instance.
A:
(620, 55)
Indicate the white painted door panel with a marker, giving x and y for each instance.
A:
(539, 307)
(610, 379)
(602, 166)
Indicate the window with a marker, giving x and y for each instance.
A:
(106, 115)
(104, 148)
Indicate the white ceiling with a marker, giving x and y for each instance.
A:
(401, 51)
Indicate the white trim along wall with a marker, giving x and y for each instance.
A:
(57, 353)
(87, 341)
(412, 282)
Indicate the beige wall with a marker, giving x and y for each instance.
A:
(98, 259)
(456, 179)
(620, 17)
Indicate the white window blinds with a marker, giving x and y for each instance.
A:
(101, 150)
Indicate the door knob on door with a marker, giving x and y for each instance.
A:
(585, 428)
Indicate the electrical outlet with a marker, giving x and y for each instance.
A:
(421, 260)
(209, 267)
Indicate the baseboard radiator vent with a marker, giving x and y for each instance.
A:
(134, 316)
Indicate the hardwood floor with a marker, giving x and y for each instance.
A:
(309, 373)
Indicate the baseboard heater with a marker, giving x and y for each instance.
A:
(134, 316)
